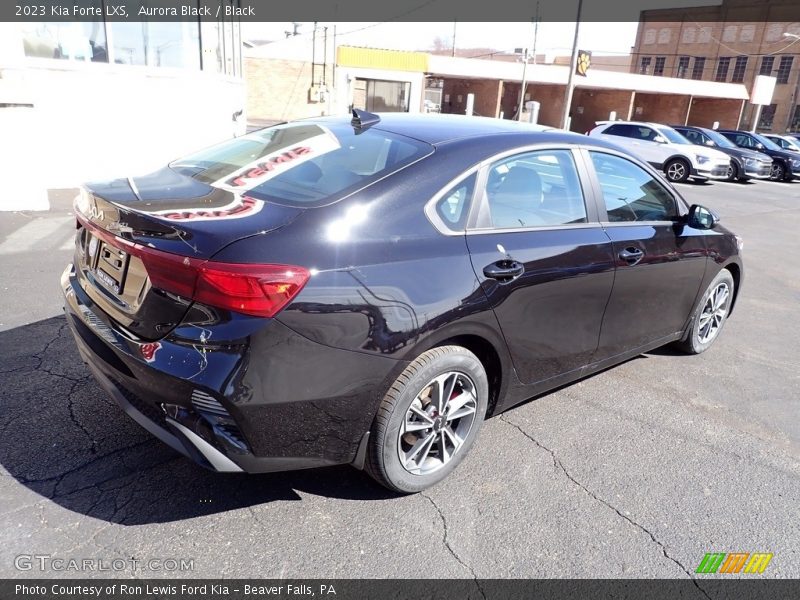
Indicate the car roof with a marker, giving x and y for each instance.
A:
(438, 128)
(643, 123)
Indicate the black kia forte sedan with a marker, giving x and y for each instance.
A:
(369, 290)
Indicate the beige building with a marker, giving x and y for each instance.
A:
(732, 42)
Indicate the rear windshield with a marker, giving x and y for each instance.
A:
(303, 164)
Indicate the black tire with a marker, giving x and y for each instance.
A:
(385, 443)
(778, 171)
(677, 170)
(695, 343)
(733, 172)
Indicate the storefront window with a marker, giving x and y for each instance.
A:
(221, 44)
(84, 42)
(175, 45)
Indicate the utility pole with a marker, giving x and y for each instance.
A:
(454, 38)
(572, 65)
(518, 116)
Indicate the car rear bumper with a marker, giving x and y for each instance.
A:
(234, 407)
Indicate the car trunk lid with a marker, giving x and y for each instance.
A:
(166, 220)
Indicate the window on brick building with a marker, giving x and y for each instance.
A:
(699, 66)
(767, 116)
(723, 63)
(683, 66)
(795, 126)
(767, 62)
(739, 69)
(644, 65)
(659, 66)
(784, 69)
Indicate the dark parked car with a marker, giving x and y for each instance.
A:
(785, 142)
(745, 164)
(785, 164)
(367, 291)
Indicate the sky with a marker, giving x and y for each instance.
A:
(551, 37)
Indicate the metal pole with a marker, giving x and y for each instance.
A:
(518, 116)
(756, 117)
(572, 64)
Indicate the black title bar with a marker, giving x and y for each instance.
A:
(381, 11)
(703, 588)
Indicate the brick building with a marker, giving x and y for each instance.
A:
(732, 42)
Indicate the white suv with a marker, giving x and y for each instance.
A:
(665, 149)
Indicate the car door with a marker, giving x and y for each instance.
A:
(542, 259)
(660, 261)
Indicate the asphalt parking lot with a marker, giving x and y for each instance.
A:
(635, 472)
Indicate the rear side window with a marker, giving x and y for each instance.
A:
(534, 189)
(303, 164)
(630, 193)
(453, 207)
(621, 130)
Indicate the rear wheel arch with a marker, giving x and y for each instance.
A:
(490, 359)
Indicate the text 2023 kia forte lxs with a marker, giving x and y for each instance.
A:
(368, 291)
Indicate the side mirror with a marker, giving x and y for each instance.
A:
(660, 139)
(710, 143)
(701, 217)
(759, 146)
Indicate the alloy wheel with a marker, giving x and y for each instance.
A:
(713, 314)
(676, 171)
(437, 423)
(777, 172)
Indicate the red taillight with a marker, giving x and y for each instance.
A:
(261, 290)
(252, 289)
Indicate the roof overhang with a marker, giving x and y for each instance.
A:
(472, 68)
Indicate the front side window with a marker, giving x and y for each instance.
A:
(645, 133)
(692, 135)
(535, 189)
(630, 193)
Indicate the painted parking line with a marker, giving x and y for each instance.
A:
(783, 184)
(42, 233)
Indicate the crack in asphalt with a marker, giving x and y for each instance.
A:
(560, 466)
(450, 549)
